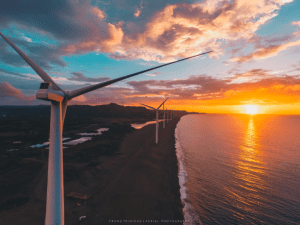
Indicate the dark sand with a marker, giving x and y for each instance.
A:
(139, 182)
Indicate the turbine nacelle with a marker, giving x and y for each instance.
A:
(47, 93)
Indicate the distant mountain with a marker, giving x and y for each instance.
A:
(110, 110)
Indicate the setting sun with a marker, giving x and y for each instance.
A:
(251, 109)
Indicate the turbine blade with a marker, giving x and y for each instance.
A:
(64, 109)
(148, 106)
(84, 90)
(162, 103)
(33, 65)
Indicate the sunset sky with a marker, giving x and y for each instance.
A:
(256, 59)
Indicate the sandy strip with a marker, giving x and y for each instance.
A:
(147, 186)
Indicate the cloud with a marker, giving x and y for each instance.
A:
(296, 23)
(154, 74)
(165, 30)
(204, 90)
(263, 87)
(58, 20)
(4, 71)
(27, 39)
(258, 87)
(81, 77)
(137, 13)
(42, 54)
(7, 90)
(182, 30)
(80, 98)
(266, 52)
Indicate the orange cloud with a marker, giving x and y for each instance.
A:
(267, 52)
(98, 12)
(80, 98)
(137, 13)
(196, 92)
(297, 23)
(204, 92)
(7, 90)
(182, 30)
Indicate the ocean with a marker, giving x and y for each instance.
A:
(239, 169)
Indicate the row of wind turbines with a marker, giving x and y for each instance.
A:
(59, 98)
(170, 115)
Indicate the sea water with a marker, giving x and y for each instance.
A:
(239, 169)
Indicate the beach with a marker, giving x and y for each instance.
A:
(136, 184)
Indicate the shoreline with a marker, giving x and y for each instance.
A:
(137, 182)
(147, 188)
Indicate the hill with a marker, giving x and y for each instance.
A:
(110, 111)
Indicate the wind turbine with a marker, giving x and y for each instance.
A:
(164, 122)
(60, 98)
(167, 115)
(157, 124)
(164, 116)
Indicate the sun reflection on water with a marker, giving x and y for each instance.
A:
(250, 170)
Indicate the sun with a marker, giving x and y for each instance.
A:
(251, 109)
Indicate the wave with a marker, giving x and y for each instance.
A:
(189, 213)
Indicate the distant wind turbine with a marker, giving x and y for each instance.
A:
(168, 114)
(157, 124)
(60, 98)
(164, 116)
(164, 122)
(171, 113)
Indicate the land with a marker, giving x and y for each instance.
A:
(119, 175)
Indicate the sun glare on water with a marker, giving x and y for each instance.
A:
(251, 109)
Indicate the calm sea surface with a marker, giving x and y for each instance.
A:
(239, 169)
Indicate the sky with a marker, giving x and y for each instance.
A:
(255, 58)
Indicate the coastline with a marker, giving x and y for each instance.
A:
(147, 187)
(190, 216)
(139, 181)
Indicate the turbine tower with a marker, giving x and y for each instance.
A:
(168, 114)
(164, 121)
(157, 124)
(59, 99)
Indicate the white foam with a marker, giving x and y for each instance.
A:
(189, 213)
(99, 132)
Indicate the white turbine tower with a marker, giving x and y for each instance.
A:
(168, 114)
(164, 121)
(59, 98)
(157, 124)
